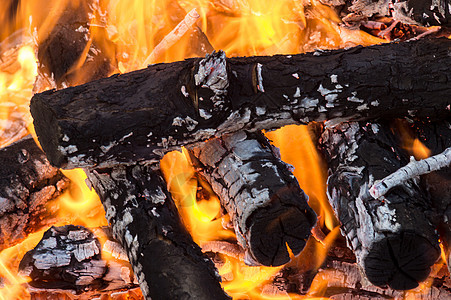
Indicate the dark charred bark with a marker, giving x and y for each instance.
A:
(69, 258)
(393, 238)
(263, 198)
(68, 54)
(27, 183)
(143, 216)
(135, 116)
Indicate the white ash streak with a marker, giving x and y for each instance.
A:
(260, 78)
(212, 73)
(412, 169)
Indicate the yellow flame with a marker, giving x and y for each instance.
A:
(409, 143)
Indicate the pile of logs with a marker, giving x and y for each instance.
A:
(118, 130)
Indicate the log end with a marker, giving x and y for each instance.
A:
(277, 228)
(400, 261)
(47, 129)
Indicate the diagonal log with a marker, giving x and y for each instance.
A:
(143, 216)
(394, 238)
(144, 114)
(268, 208)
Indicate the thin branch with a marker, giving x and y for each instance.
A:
(411, 170)
(172, 37)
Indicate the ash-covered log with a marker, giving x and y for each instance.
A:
(134, 116)
(70, 258)
(143, 216)
(27, 183)
(268, 209)
(393, 237)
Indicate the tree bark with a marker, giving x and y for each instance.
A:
(27, 183)
(166, 261)
(136, 116)
(394, 237)
(263, 198)
(69, 258)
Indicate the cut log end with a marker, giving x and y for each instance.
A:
(276, 229)
(401, 261)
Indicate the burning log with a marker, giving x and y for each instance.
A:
(69, 54)
(27, 183)
(69, 258)
(394, 237)
(131, 117)
(436, 137)
(166, 261)
(263, 198)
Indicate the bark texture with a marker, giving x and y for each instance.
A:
(143, 216)
(69, 258)
(133, 117)
(268, 208)
(27, 183)
(393, 238)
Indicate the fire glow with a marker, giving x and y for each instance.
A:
(240, 28)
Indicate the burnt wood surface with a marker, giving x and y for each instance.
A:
(27, 183)
(143, 216)
(436, 136)
(69, 258)
(267, 207)
(144, 114)
(393, 238)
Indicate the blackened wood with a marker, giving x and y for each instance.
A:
(268, 209)
(69, 54)
(144, 114)
(393, 238)
(27, 183)
(143, 216)
(436, 136)
(69, 258)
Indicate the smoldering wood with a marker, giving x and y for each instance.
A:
(68, 54)
(393, 238)
(436, 136)
(27, 184)
(418, 12)
(69, 258)
(268, 209)
(132, 117)
(143, 216)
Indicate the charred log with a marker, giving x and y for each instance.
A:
(27, 183)
(68, 54)
(69, 258)
(436, 136)
(268, 208)
(166, 261)
(131, 117)
(393, 237)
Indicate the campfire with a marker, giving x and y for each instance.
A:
(216, 149)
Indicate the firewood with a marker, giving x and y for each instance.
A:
(143, 216)
(436, 137)
(27, 183)
(69, 258)
(135, 116)
(69, 54)
(394, 237)
(268, 209)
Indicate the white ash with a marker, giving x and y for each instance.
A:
(260, 111)
(158, 197)
(85, 251)
(57, 258)
(363, 107)
(184, 92)
(298, 93)
(65, 138)
(295, 75)
(107, 148)
(126, 136)
(260, 78)
(78, 235)
(212, 73)
(354, 98)
(204, 114)
(411, 170)
(187, 122)
(334, 78)
(68, 149)
(375, 103)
